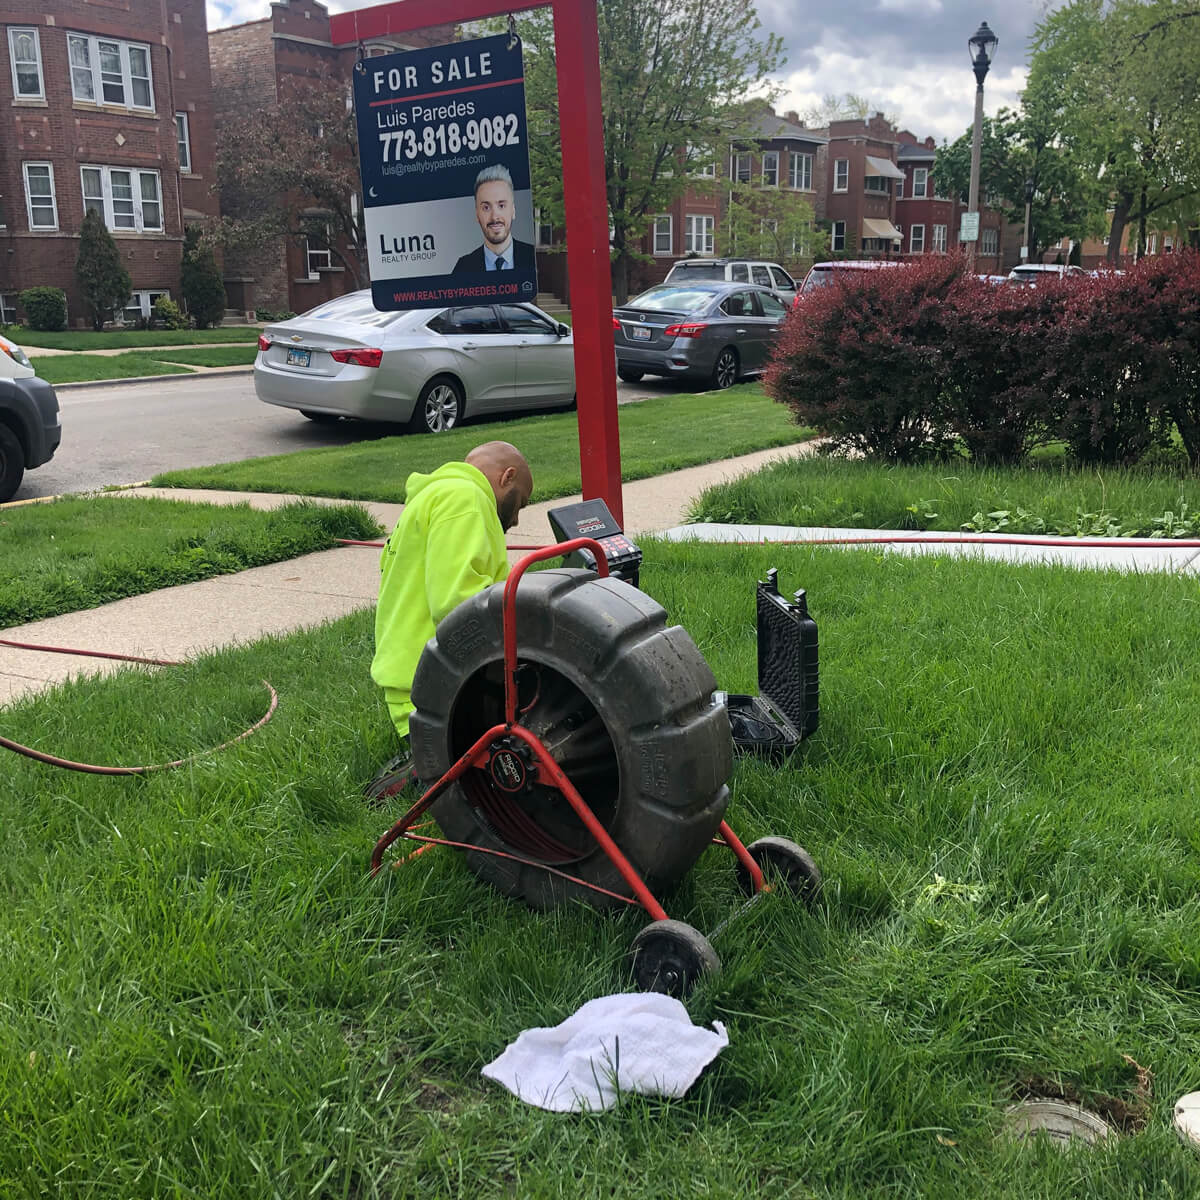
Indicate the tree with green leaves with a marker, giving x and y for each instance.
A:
(200, 280)
(102, 278)
(674, 77)
(1127, 76)
(771, 223)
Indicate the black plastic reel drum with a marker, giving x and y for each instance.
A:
(622, 702)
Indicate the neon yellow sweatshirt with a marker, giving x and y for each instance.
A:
(447, 545)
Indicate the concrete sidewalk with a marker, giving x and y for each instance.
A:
(181, 622)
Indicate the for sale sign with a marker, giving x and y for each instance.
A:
(445, 175)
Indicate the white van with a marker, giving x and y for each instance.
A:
(823, 273)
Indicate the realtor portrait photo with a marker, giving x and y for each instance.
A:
(494, 210)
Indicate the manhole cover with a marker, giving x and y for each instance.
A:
(1062, 1123)
(1187, 1118)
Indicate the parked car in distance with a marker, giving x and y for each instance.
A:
(822, 274)
(1031, 274)
(994, 280)
(707, 330)
(30, 429)
(427, 369)
(735, 270)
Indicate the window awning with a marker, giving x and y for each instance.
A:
(883, 167)
(881, 229)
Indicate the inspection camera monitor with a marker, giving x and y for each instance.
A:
(591, 519)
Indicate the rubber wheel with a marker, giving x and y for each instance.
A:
(725, 369)
(12, 463)
(629, 375)
(670, 957)
(319, 418)
(784, 861)
(439, 407)
(621, 701)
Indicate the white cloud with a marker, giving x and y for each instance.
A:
(914, 7)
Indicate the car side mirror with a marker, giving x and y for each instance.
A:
(562, 329)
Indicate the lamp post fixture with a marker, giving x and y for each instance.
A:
(1027, 248)
(982, 45)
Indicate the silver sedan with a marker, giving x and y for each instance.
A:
(426, 369)
(717, 332)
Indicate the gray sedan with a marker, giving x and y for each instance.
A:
(717, 332)
(426, 369)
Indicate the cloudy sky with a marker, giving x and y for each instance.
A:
(907, 57)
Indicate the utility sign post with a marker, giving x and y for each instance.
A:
(444, 155)
(968, 229)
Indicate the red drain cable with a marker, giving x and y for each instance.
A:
(92, 768)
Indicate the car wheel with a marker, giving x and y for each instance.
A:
(629, 375)
(320, 418)
(725, 369)
(12, 463)
(439, 407)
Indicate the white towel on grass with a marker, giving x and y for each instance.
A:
(634, 1042)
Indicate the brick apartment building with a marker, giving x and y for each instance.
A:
(105, 105)
(252, 65)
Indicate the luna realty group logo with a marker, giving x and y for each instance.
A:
(398, 248)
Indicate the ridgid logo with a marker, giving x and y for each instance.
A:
(405, 248)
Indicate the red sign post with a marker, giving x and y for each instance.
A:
(577, 54)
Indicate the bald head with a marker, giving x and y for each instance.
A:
(506, 469)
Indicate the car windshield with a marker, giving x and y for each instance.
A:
(672, 299)
(698, 271)
(357, 309)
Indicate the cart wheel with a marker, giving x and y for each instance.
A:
(669, 957)
(783, 859)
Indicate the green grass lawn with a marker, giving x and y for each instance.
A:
(204, 995)
(659, 435)
(73, 339)
(86, 368)
(213, 356)
(1050, 497)
(77, 553)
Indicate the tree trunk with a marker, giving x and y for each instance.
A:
(1116, 233)
(1141, 246)
(620, 269)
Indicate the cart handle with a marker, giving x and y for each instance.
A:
(510, 608)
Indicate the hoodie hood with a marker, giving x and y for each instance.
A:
(417, 483)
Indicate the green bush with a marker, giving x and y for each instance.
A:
(167, 314)
(45, 307)
(200, 281)
(102, 277)
(266, 314)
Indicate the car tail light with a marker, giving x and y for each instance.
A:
(688, 330)
(616, 325)
(360, 358)
(264, 342)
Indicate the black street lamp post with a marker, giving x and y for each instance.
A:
(1030, 187)
(982, 45)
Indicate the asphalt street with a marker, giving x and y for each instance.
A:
(127, 433)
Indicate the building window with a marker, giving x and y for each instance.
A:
(127, 200)
(801, 172)
(707, 171)
(39, 196)
(841, 174)
(916, 239)
(837, 240)
(1152, 244)
(1168, 243)
(317, 255)
(920, 182)
(899, 189)
(876, 183)
(770, 174)
(742, 168)
(698, 234)
(185, 143)
(663, 235)
(8, 308)
(25, 54)
(545, 229)
(104, 71)
(140, 306)
(989, 241)
(939, 239)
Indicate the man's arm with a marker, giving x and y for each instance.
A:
(458, 562)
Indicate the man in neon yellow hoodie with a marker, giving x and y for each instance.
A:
(447, 545)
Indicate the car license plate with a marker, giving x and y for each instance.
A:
(641, 333)
(299, 358)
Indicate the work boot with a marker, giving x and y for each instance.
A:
(396, 777)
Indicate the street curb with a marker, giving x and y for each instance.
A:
(211, 373)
